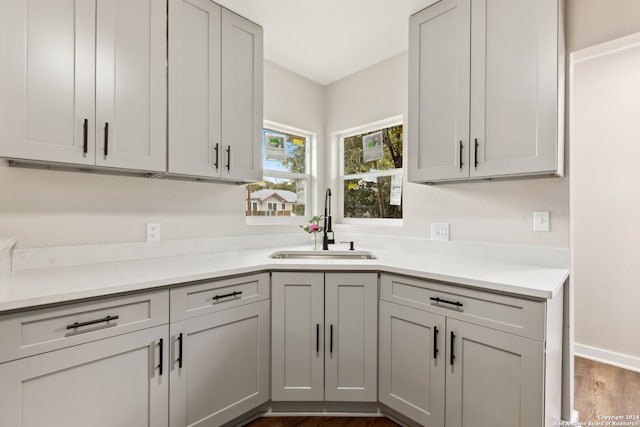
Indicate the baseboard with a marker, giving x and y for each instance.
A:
(609, 357)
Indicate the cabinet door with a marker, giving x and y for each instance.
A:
(297, 325)
(351, 308)
(439, 97)
(112, 382)
(220, 365)
(514, 86)
(412, 363)
(242, 118)
(494, 380)
(47, 80)
(195, 146)
(131, 75)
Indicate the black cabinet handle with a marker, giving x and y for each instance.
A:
(475, 155)
(228, 157)
(180, 351)
(85, 136)
(331, 339)
(160, 366)
(317, 337)
(106, 139)
(444, 301)
(231, 294)
(216, 162)
(452, 356)
(435, 342)
(92, 322)
(461, 155)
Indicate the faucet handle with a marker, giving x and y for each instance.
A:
(351, 248)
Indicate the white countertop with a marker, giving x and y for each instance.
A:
(28, 288)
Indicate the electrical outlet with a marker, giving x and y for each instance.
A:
(153, 232)
(439, 231)
(541, 221)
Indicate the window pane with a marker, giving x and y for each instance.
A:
(276, 197)
(382, 150)
(371, 198)
(284, 151)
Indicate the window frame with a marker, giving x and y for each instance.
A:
(309, 176)
(369, 127)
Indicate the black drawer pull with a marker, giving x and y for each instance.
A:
(461, 164)
(85, 136)
(331, 339)
(228, 158)
(106, 139)
(160, 366)
(231, 294)
(444, 301)
(216, 148)
(180, 351)
(317, 337)
(453, 356)
(475, 153)
(92, 322)
(435, 342)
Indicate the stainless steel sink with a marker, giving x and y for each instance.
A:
(322, 255)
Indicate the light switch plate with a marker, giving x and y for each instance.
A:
(439, 231)
(541, 221)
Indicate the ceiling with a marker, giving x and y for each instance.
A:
(326, 40)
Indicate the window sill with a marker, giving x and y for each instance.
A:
(390, 222)
(275, 220)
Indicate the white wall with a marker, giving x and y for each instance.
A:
(52, 208)
(498, 211)
(605, 188)
(605, 185)
(590, 22)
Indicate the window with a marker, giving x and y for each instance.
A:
(371, 172)
(282, 194)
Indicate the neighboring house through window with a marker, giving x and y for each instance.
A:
(283, 195)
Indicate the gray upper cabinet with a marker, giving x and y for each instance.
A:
(242, 92)
(194, 88)
(486, 90)
(215, 92)
(84, 83)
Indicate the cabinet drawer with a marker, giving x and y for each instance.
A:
(501, 312)
(202, 298)
(37, 331)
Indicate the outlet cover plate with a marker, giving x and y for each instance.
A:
(541, 221)
(153, 232)
(439, 231)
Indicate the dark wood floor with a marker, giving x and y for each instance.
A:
(602, 389)
(322, 422)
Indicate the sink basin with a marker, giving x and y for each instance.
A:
(322, 255)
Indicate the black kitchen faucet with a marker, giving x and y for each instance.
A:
(326, 237)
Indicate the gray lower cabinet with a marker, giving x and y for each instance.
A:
(220, 365)
(457, 357)
(119, 381)
(495, 379)
(220, 350)
(412, 363)
(324, 337)
(96, 363)
(119, 362)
